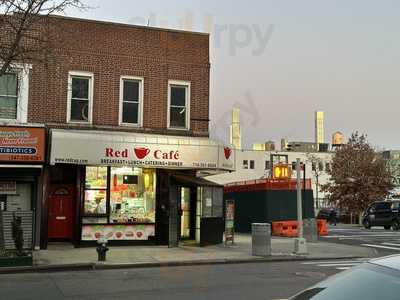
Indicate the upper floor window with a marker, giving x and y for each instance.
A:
(80, 97)
(252, 164)
(131, 101)
(8, 96)
(245, 164)
(179, 105)
(14, 94)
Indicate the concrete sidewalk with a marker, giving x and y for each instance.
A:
(64, 257)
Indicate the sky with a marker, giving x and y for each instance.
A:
(279, 61)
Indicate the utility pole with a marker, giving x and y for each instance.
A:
(300, 246)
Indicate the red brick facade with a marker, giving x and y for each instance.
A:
(110, 51)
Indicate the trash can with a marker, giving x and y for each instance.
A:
(261, 239)
(310, 230)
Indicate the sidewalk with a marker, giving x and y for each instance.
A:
(64, 257)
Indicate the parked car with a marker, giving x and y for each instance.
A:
(383, 213)
(377, 279)
(340, 215)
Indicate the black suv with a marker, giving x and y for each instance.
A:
(383, 213)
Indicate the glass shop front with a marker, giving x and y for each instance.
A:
(119, 203)
(132, 188)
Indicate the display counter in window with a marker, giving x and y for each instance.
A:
(95, 202)
(132, 195)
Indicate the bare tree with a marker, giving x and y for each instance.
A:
(316, 170)
(25, 33)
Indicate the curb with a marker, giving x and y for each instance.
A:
(100, 266)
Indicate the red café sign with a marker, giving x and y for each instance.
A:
(96, 148)
(143, 152)
(22, 144)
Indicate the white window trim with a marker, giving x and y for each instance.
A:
(22, 71)
(186, 84)
(91, 91)
(141, 99)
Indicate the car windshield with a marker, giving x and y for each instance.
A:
(367, 282)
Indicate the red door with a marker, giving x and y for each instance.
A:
(61, 213)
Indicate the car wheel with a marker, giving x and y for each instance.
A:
(387, 227)
(367, 224)
(396, 225)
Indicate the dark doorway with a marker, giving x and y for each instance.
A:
(187, 213)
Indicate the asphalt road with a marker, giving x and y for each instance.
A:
(240, 281)
(384, 242)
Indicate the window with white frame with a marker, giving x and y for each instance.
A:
(14, 94)
(80, 97)
(9, 96)
(178, 105)
(131, 101)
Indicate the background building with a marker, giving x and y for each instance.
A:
(235, 131)
(252, 165)
(319, 127)
(267, 146)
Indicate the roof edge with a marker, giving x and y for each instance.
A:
(128, 25)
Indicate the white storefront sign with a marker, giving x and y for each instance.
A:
(123, 149)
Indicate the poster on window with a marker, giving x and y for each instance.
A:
(8, 187)
(229, 221)
(118, 232)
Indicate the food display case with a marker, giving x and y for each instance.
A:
(119, 203)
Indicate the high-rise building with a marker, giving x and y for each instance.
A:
(235, 131)
(319, 127)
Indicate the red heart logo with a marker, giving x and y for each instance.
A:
(227, 152)
(141, 152)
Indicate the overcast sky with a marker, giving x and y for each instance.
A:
(282, 60)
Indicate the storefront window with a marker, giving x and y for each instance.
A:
(96, 178)
(95, 191)
(132, 195)
(123, 195)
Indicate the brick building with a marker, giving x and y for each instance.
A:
(125, 111)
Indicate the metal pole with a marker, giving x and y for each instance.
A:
(299, 204)
(316, 191)
(300, 246)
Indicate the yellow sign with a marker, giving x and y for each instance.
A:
(281, 172)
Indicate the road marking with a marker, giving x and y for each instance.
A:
(391, 244)
(341, 265)
(360, 236)
(336, 261)
(380, 247)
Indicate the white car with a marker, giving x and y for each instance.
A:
(376, 279)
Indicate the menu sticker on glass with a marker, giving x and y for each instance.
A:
(229, 221)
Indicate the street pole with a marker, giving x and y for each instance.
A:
(300, 246)
(316, 189)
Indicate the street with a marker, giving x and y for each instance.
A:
(236, 281)
(384, 242)
(270, 280)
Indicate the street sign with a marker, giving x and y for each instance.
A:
(281, 171)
